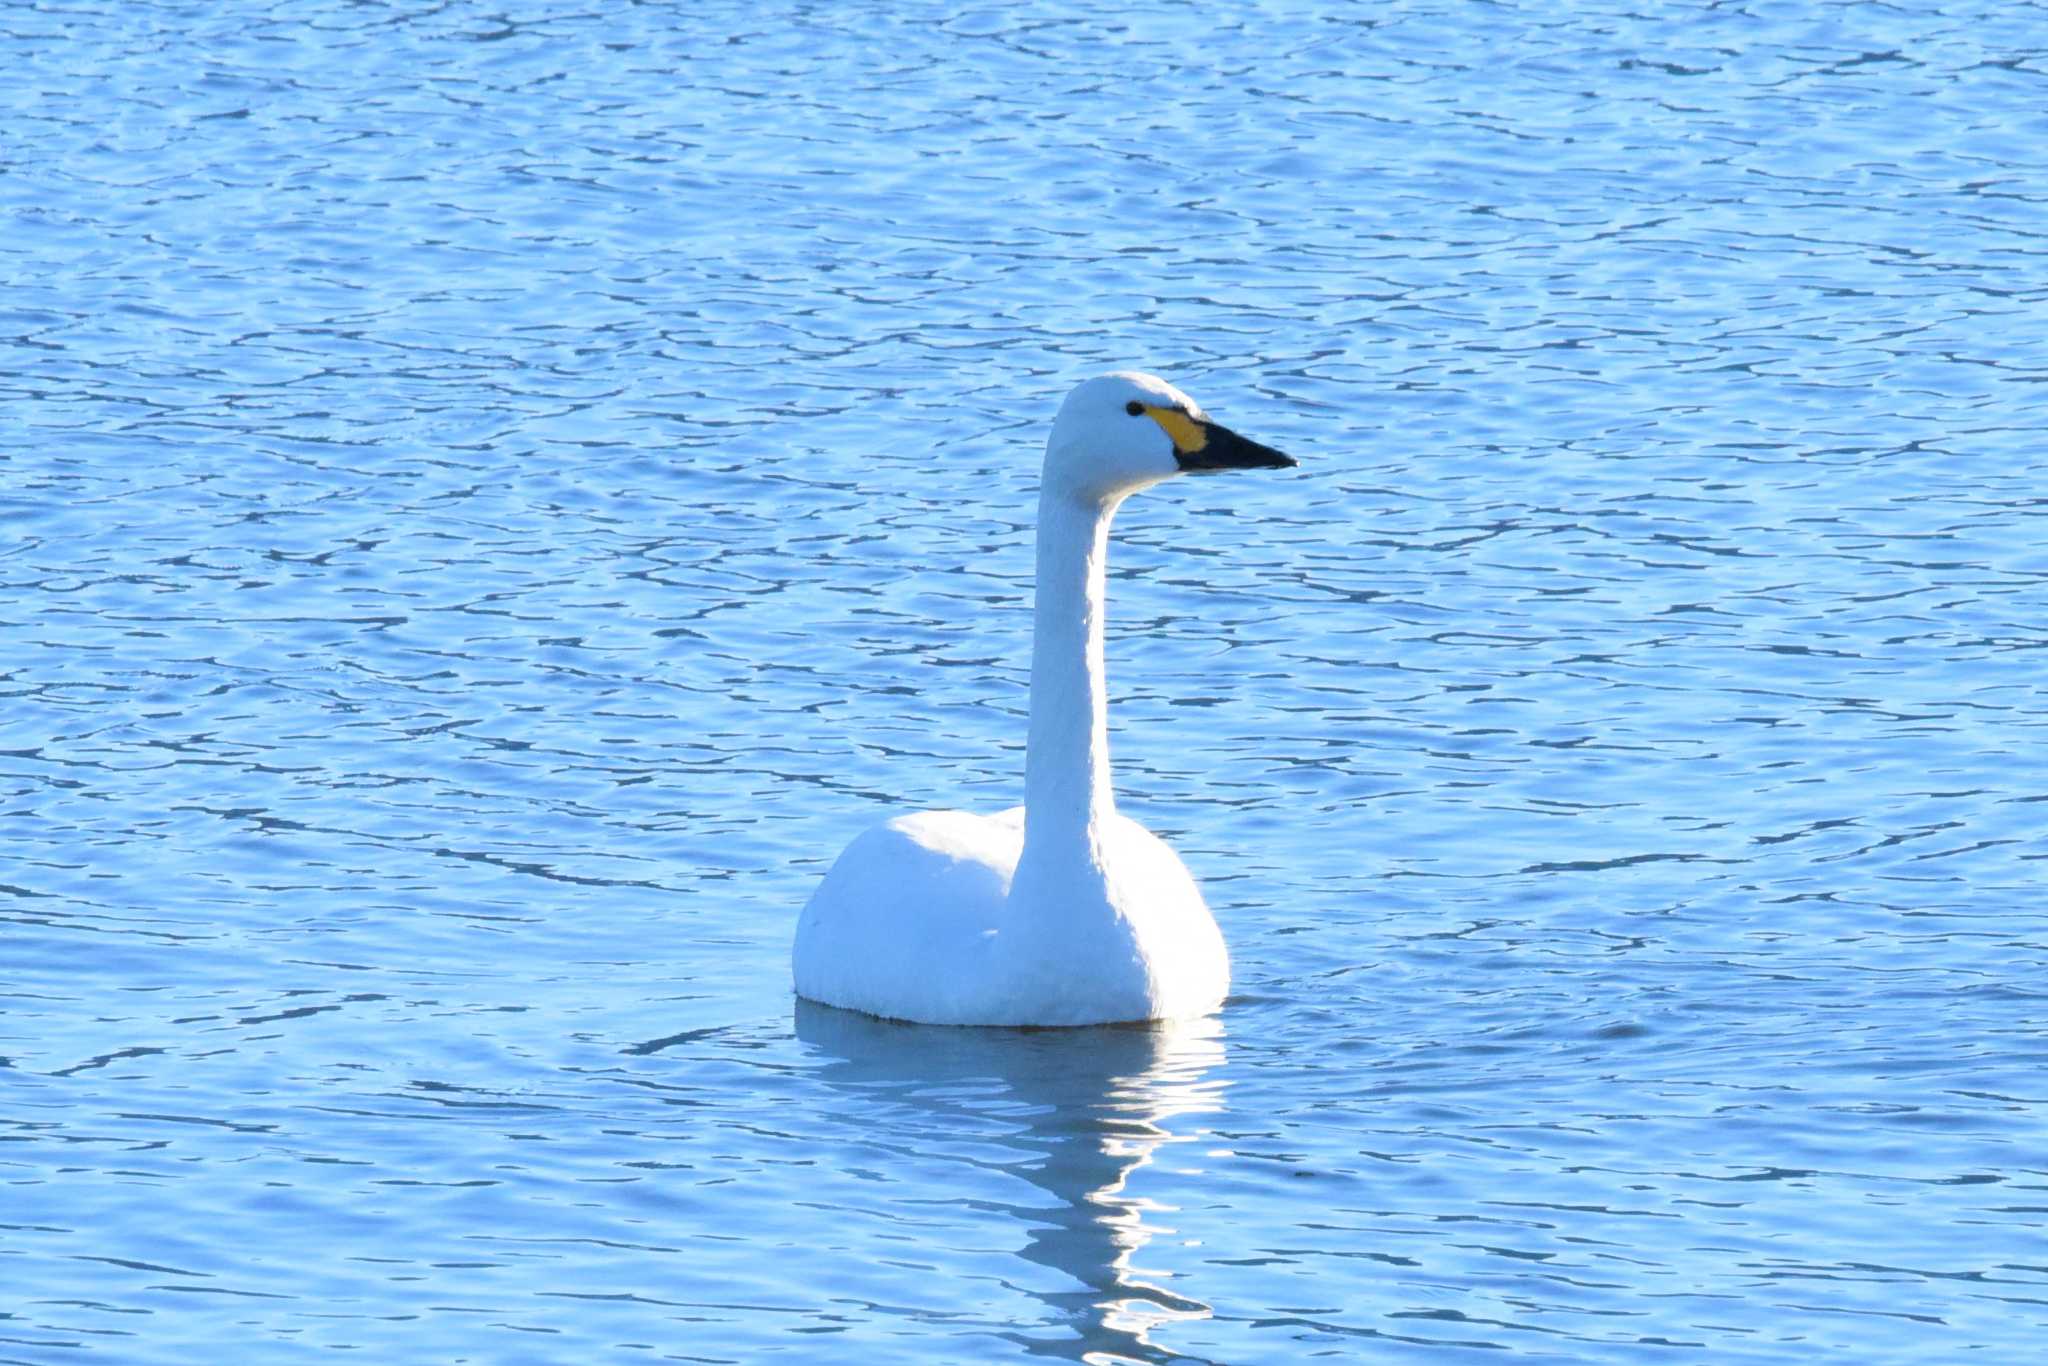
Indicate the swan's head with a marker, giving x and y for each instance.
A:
(1121, 432)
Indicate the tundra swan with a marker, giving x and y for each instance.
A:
(1060, 911)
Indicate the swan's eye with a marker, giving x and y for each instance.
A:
(1135, 408)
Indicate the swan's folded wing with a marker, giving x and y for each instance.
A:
(901, 925)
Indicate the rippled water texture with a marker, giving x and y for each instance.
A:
(493, 503)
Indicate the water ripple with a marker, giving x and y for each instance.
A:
(495, 502)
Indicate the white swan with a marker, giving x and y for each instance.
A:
(1061, 911)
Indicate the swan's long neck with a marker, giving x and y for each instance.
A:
(1067, 797)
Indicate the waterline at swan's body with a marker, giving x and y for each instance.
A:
(1062, 911)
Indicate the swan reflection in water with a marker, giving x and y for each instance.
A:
(1085, 1108)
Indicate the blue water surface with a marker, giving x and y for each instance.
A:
(494, 499)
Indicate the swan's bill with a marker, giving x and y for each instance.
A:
(1203, 447)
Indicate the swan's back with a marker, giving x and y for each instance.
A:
(902, 925)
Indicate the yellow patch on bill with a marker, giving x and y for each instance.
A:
(1188, 435)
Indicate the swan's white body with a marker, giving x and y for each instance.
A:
(1061, 911)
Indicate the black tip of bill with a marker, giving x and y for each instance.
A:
(1226, 450)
